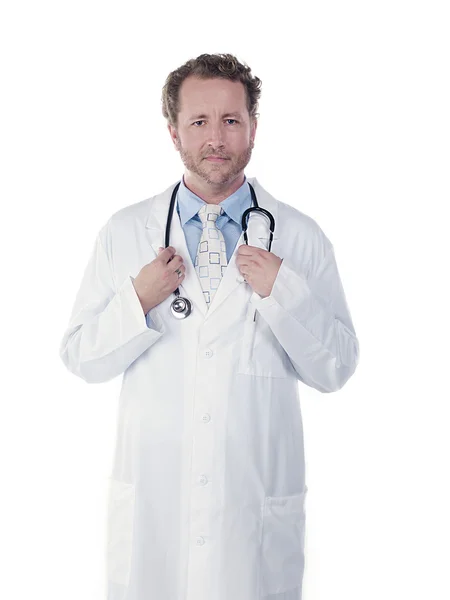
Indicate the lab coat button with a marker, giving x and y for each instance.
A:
(206, 418)
(203, 480)
(208, 353)
(200, 541)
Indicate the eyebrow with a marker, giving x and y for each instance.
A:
(234, 114)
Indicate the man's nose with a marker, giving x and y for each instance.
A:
(216, 135)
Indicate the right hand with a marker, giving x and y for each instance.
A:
(158, 279)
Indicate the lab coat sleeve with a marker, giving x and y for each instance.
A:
(107, 329)
(310, 318)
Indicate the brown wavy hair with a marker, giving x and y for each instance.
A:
(209, 66)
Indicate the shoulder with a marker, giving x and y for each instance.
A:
(126, 220)
(135, 217)
(309, 243)
(300, 223)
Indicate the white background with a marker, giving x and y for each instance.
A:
(354, 131)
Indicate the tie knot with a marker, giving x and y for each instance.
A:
(210, 212)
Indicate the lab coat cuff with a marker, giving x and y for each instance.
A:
(289, 290)
(138, 320)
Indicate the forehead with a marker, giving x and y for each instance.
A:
(200, 95)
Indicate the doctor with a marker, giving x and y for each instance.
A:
(207, 489)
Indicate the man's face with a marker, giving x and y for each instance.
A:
(214, 120)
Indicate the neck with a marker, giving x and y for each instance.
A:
(212, 193)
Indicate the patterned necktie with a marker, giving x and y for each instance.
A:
(211, 259)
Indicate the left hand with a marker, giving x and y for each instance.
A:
(259, 267)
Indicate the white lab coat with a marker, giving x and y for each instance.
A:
(207, 490)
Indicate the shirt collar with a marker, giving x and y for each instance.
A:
(188, 203)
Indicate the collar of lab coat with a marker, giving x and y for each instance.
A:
(258, 235)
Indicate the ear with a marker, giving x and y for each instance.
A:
(253, 131)
(173, 135)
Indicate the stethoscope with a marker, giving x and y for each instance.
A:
(182, 307)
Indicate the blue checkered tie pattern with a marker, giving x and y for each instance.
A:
(211, 259)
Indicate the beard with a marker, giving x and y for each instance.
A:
(216, 173)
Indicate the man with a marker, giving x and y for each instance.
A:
(207, 493)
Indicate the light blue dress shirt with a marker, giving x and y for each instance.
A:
(188, 204)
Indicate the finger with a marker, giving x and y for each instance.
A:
(169, 252)
(246, 249)
(180, 272)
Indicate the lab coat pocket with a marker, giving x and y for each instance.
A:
(261, 354)
(283, 539)
(119, 533)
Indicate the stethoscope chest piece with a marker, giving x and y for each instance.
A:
(181, 307)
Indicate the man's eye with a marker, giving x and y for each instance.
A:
(201, 121)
